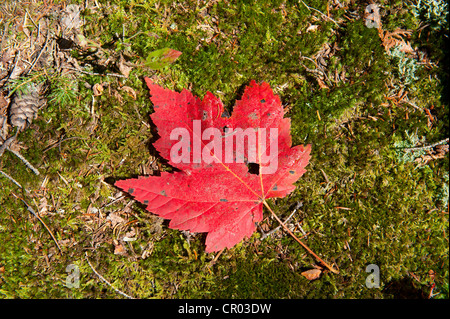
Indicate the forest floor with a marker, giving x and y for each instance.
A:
(367, 88)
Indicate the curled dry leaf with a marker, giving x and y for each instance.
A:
(119, 249)
(322, 84)
(97, 89)
(312, 274)
(130, 91)
(312, 28)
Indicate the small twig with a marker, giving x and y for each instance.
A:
(93, 73)
(6, 144)
(212, 262)
(318, 70)
(444, 141)
(106, 281)
(26, 10)
(28, 164)
(305, 235)
(325, 176)
(115, 201)
(265, 235)
(31, 210)
(11, 179)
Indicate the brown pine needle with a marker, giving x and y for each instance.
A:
(299, 241)
(31, 210)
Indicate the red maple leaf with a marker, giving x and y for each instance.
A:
(213, 193)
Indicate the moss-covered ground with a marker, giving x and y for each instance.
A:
(362, 203)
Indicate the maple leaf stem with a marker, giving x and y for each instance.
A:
(299, 241)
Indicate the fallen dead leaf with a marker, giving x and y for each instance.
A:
(71, 18)
(322, 84)
(119, 249)
(98, 89)
(115, 219)
(312, 274)
(130, 91)
(124, 69)
(312, 28)
(117, 95)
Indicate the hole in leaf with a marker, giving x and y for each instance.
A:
(253, 168)
(225, 114)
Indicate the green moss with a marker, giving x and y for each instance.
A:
(361, 205)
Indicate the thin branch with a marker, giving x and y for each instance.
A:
(28, 164)
(299, 241)
(106, 281)
(6, 144)
(11, 179)
(413, 105)
(265, 235)
(318, 70)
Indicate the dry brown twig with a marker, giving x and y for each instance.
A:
(11, 179)
(265, 235)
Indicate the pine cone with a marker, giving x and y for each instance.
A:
(24, 106)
